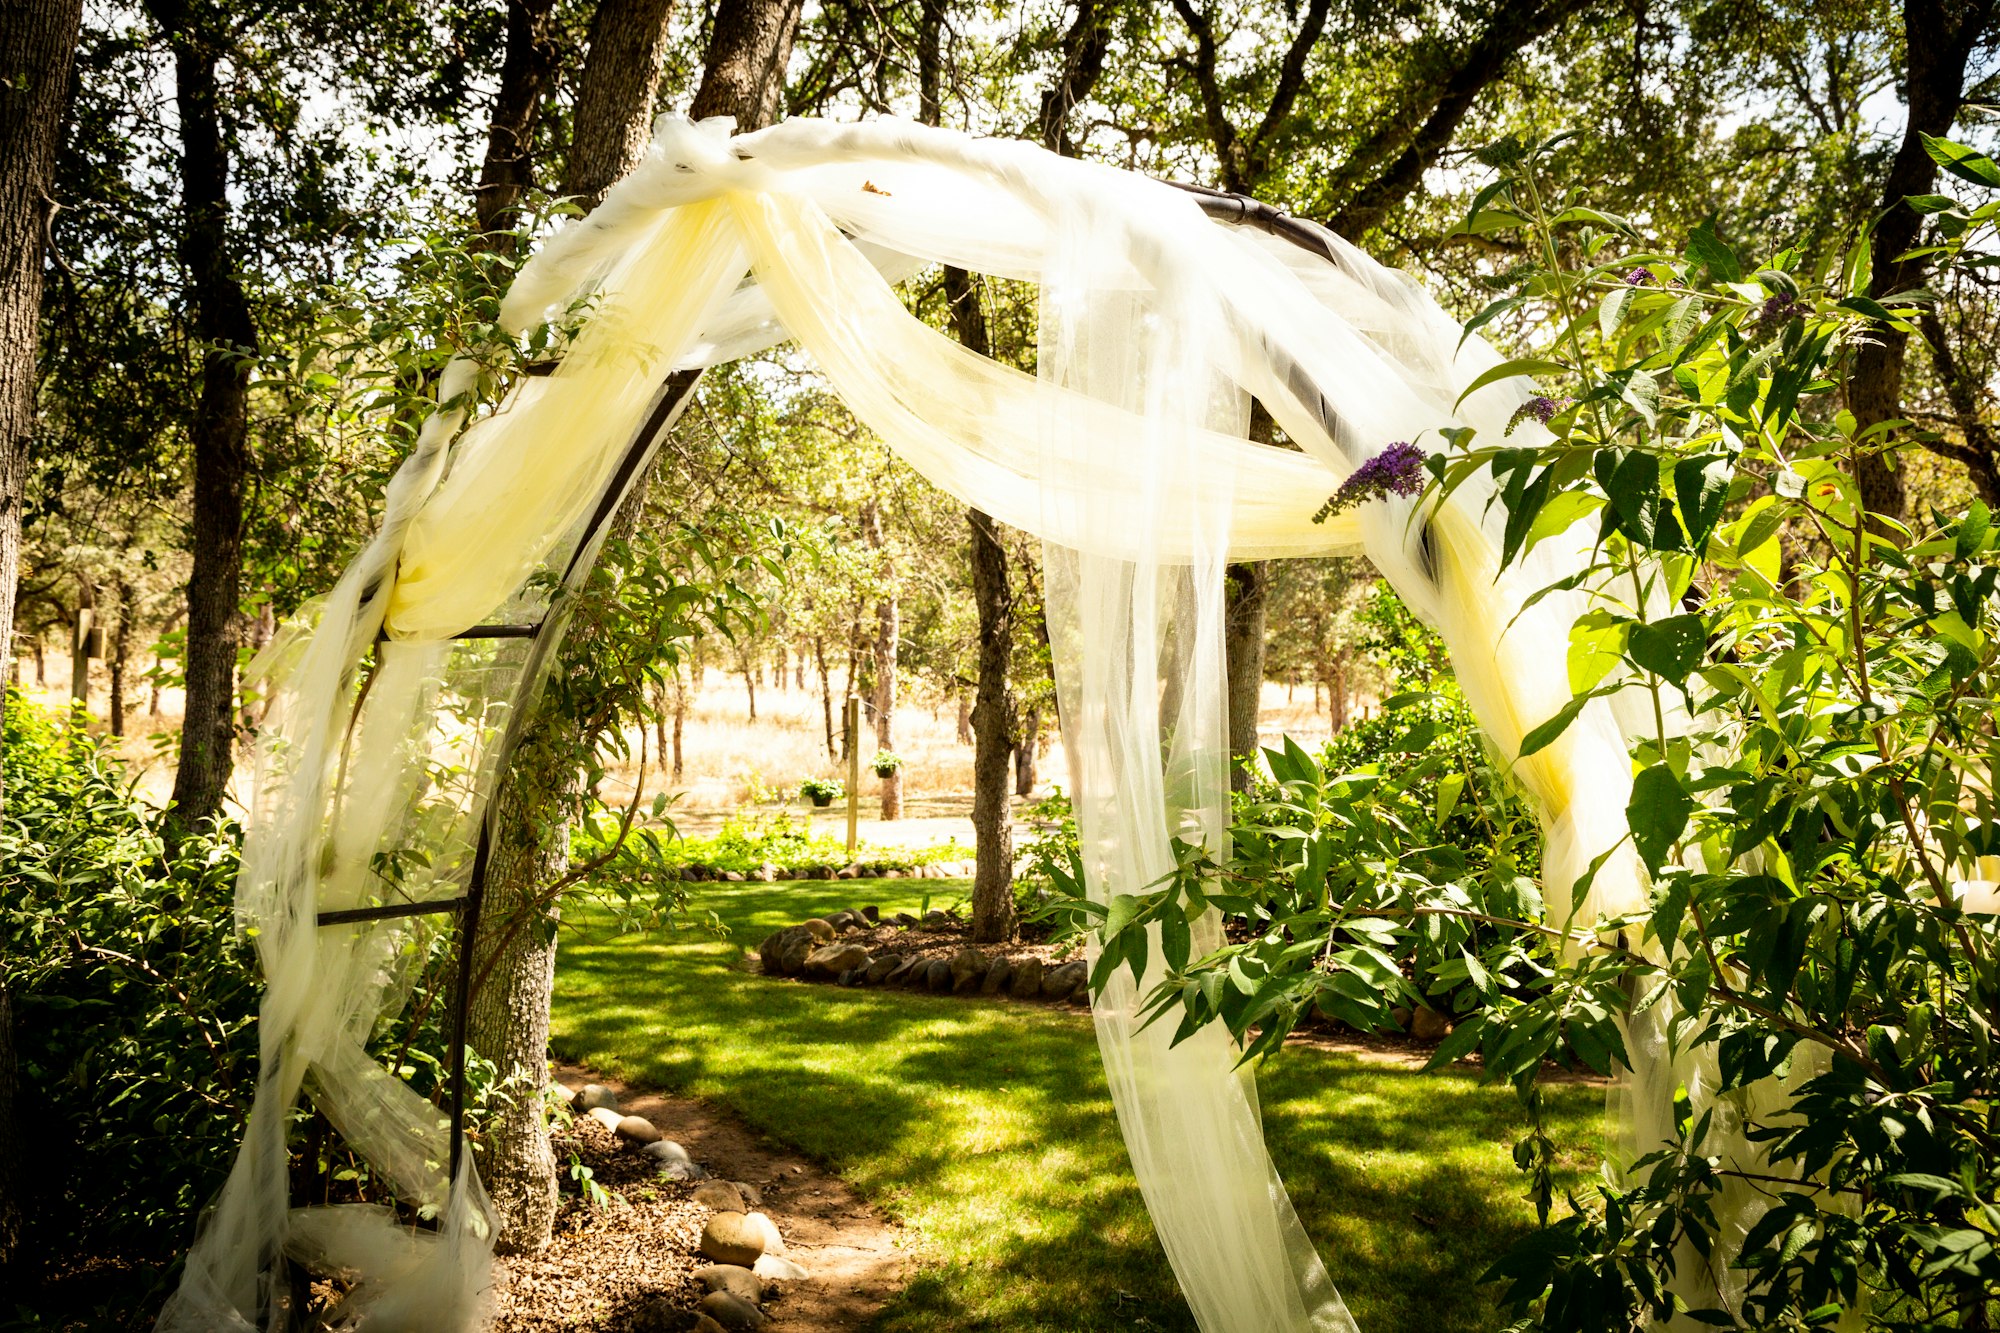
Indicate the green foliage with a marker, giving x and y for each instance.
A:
(822, 791)
(743, 845)
(135, 1000)
(885, 763)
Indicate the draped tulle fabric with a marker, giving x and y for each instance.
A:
(1124, 453)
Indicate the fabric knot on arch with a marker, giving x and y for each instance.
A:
(1163, 313)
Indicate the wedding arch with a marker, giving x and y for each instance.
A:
(1163, 312)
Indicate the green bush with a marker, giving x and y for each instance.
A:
(135, 999)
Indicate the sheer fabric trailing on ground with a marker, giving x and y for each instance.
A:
(1124, 454)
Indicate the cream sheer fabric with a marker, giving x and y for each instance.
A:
(1124, 454)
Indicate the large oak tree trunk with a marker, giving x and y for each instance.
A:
(37, 44)
(219, 433)
(510, 1021)
(1939, 36)
(614, 100)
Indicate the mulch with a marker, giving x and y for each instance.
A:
(627, 1266)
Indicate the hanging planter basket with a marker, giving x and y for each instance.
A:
(822, 792)
(886, 764)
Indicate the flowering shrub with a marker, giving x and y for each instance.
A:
(1816, 825)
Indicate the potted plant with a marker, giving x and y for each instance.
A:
(822, 792)
(886, 763)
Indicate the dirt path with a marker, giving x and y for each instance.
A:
(628, 1266)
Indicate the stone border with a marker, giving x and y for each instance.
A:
(814, 950)
(770, 872)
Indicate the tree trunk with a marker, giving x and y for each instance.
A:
(1939, 39)
(219, 432)
(748, 49)
(121, 646)
(37, 44)
(540, 788)
(508, 1021)
(680, 721)
(888, 630)
(527, 73)
(1243, 644)
(964, 701)
(825, 695)
(749, 682)
(613, 120)
(992, 812)
(1027, 749)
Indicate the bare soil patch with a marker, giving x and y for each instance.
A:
(628, 1266)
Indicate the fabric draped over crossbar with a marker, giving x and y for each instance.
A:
(1124, 452)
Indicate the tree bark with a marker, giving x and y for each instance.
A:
(527, 73)
(219, 433)
(1027, 745)
(121, 646)
(748, 49)
(888, 630)
(37, 46)
(613, 120)
(1243, 646)
(1509, 29)
(508, 1018)
(1939, 37)
(542, 785)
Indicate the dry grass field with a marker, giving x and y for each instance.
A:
(731, 764)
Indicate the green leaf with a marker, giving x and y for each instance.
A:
(1489, 314)
(1545, 735)
(1670, 648)
(1506, 370)
(1961, 161)
(1596, 646)
(1657, 813)
(1612, 312)
(1175, 938)
(1973, 531)
(1701, 485)
(1704, 247)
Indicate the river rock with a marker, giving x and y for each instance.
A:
(606, 1117)
(997, 977)
(938, 975)
(732, 1312)
(903, 919)
(703, 1324)
(751, 1194)
(720, 1196)
(1427, 1024)
(871, 914)
(731, 1238)
(830, 960)
(1061, 981)
(848, 872)
(1401, 1018)
(735, 876)
(638, 1129)
(937, 918)
(768, 1230)
(968, 969)
(878, 971)
(765, 874)
(735, 1279)
(821, 928)
(594, 1095)
(1027, 982)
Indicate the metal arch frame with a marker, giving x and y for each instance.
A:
(546, 634)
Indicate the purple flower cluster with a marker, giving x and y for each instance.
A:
(1640, 277)
(1782, 306)
(1544, 408)
(1397, 470)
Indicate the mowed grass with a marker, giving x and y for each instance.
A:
(986, 1128)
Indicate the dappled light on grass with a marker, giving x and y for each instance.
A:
(985, 1126)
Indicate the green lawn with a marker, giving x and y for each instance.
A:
(985, 1126)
